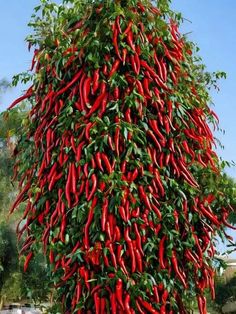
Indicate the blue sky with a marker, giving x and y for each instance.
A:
(212, 27)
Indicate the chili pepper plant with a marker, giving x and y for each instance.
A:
(115, 158)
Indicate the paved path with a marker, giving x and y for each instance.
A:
(21, 311)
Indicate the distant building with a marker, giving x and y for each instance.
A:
(230, 271)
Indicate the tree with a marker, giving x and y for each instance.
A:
(14, 283)
(8, 253)
(115, 159)
(35, 282)
(4, 85)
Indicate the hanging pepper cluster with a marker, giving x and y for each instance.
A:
(112, 162)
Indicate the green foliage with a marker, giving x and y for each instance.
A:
(225, 291)
(8, 253)
(4, 85)
(173, 176)
(12, 287)
(10, 122)
(35, 282)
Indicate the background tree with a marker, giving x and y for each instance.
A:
(15, 285)
(8, 253)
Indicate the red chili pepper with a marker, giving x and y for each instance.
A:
(108, 230)
(130, 40)
(136, 212)
(103, 305)
(95, 81)
(96, 104)
(124, 55)
(117, 234)
(86, 90)
(137, 62)
(128, 28)
(157, 211)
(106, 262)
(105, 69)
(63, 228)
(116, 93)
(202, 304)
(156, 294)
(117, 137)
(119, 292)
(87, 129)
(139, 260)
(122, 213)
(133, 64)
(224, 220)
(70, 273)
(139, 308)
(106, 162)
(140, 88)
(127, 304)
(161, 252)
(146, 87)
(104, 214)
(144, 197)
(73, 81)
(96, 302)
(209, 215)
(27, 260)
(94, 186)
(115, 43)
(138, 238)
(79, 151)
(20, 197)
(88, 223)
(113, 257)
(117, 21)
(176, 269)
(114, 68)
(153, 137)
(28, 94)
(73, 178)
(113, 303)
(147, 306)
(131, 249)
(99, 161)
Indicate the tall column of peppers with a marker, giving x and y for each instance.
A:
(112, 162)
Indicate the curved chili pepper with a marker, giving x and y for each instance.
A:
(161, 252)
(177, 271)
(106, 162)
(119, 293)
(122, 213)
(152, 136)
(139, 307)
(95, 85)
(103, 305)
(88, 223)
(86, 90)
(116, 140)
(94, 186)
(27, 260)
(114, 68)
(127, 304)
(147, 306)
(129, 39)
(124, 55)
(115, 43)
(138, 238)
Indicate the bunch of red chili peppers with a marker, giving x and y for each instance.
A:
(117, 131)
